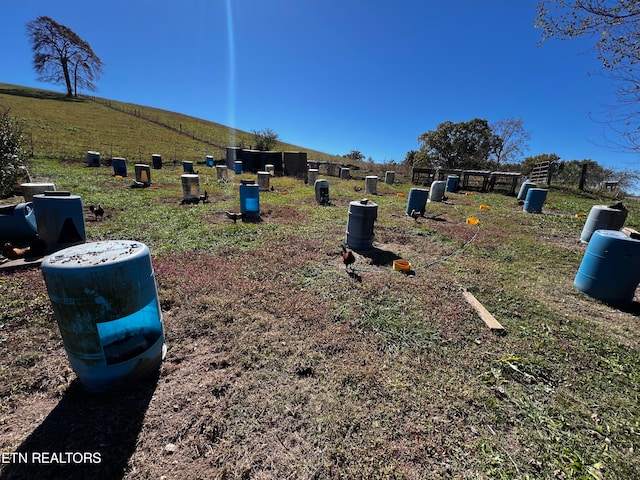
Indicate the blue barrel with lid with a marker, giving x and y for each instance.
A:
(610, 268)
(452, 183)
(417, 200)
(250, 199)
(535, 200)
(362, 215)
(105, 299)
(119, 166)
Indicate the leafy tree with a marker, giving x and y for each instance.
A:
(415, 158)
(11, 145)
(355, 155)
(513, 140)
(60, 56)
(460, 145)
(264, 140)
(613, 25)
(570, 173)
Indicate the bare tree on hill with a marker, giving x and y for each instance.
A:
(60, 56)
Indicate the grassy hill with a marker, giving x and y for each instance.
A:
(63, 128)
(282, 365)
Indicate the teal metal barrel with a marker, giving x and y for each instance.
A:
(105, 300)
(610, 268)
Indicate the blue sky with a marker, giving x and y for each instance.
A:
(338, 75)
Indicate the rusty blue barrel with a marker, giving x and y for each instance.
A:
(105, 300)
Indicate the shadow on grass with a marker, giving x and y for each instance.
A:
(40, 94)
(378, 257)
(93, 435)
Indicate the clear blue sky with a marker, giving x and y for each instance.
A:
(338, 75)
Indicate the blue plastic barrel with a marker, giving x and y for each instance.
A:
(417, 200)
(60, 219)
(93, 159)
(237, 166)
(18, 222)
(119, 166)
(610, 268)
(535, 200)
(250, 199)
(452, 183)
(602, 217)
(105, 299)
(187, 167)
(209, 162)
(524, 188)
(156, 160)
(362, 215)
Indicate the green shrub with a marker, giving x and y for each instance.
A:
(11, 143)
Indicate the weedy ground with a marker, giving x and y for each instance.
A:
(282, 365)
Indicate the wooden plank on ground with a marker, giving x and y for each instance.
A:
(485, 315)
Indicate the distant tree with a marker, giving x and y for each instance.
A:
(460, 145)
(513, 140)
(11, 145)
(570, 173)
(264, 140)
(355, 155)
(60, 56)
(529, 162)
(613, 25)
(415, 158)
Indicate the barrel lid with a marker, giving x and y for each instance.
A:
(94, 254)
(365, 202)
(56, 195)
(617, 234)
(37, 184)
